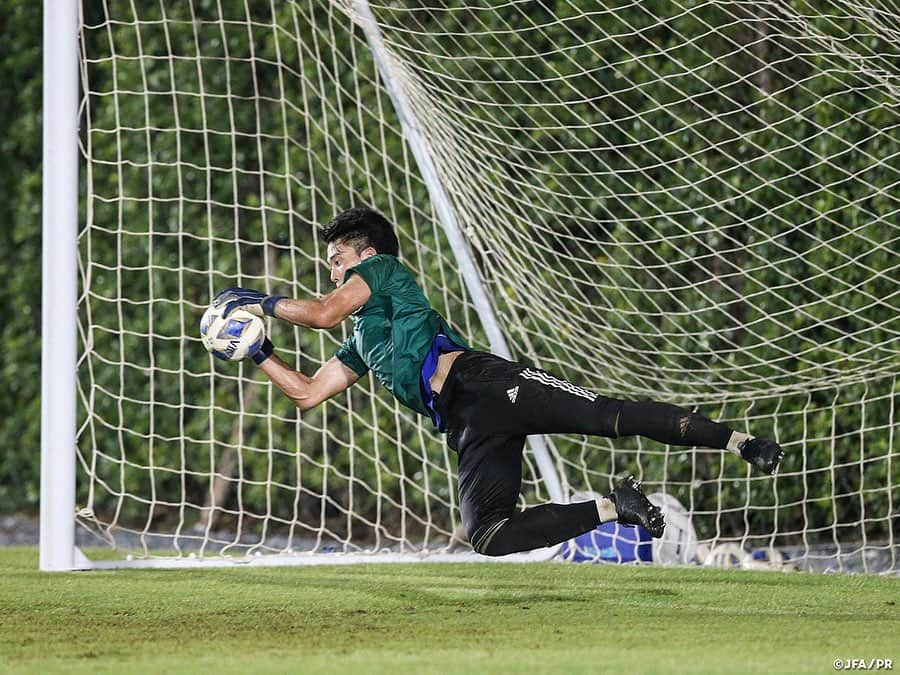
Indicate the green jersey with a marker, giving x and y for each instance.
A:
(394, 330)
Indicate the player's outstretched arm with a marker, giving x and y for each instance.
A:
(308, 392)
(329, 310)
(325, 312)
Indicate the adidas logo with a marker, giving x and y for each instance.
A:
(513, 393)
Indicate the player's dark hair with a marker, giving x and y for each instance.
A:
(360, 228)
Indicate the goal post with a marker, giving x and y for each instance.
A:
(59, 319)
(692, 202)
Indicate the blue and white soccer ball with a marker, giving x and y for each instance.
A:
(231, 338)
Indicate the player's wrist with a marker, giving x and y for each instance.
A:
(268, 304)
(266, 349)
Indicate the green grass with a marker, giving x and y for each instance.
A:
(460, 618)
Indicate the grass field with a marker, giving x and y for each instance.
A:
(429, 618)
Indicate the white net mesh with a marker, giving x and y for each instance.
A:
(218, 139)
(692, 202)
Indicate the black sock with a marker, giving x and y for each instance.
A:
(670, 424)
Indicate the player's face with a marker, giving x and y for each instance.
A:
(342, 257)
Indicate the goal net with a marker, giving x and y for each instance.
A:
(687, 201)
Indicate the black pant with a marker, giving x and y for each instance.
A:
(491, 404)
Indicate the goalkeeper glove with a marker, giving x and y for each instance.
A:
(255, 302)
(761, 453)
(265, 351)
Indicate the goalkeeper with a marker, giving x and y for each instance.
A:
(485, 404)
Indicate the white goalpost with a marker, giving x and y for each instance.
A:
(60, 284)
(685, 201)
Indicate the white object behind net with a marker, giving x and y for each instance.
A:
(689, 202)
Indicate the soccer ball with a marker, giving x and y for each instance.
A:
(769, 559)
(231, 338)
(727, 556)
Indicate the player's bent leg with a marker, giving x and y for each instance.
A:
(551, 524)
(536, 527)
(490, 476)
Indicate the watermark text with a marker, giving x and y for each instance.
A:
(863, 664)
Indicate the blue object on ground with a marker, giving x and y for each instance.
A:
(610, 542)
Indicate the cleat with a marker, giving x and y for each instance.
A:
(761, 453)
(633, 508)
